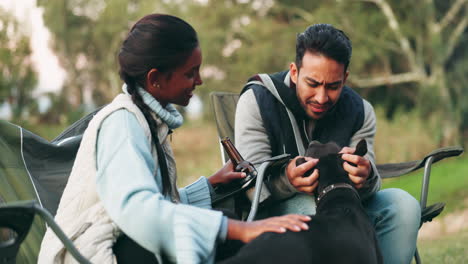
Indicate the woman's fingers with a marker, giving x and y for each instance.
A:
(293, 223)
(234, 176)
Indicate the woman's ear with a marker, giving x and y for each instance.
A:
(153, 81)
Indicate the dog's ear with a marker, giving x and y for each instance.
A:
(361, 148)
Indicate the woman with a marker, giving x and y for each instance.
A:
(123, 183)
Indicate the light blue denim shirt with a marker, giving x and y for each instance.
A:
(132, 196)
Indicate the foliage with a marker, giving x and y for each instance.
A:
(87, 36)
(408, 61)
(17, 75)
(400, 61)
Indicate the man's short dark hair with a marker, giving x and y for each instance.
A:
(326, 40)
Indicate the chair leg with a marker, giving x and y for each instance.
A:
(417, 258)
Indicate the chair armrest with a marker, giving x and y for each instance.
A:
(262, 170)
(390, 170)
(33, 206)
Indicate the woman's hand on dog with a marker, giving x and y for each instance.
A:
(225, 175)
(297, 178)
(359, 173)
(247, 231)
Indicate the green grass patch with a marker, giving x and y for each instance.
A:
(446, 250)
(448, 183)
(196, 150)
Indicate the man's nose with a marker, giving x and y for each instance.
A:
(321, 96)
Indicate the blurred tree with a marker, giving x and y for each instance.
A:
(418, 56)
(406, 60)
(17, 75)
(86, 38)
(400, 59)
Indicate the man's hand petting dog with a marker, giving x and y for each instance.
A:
(357, 167)
(298, 179)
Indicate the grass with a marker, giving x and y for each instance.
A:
(445, 250)
(448, 183)
(196, 150)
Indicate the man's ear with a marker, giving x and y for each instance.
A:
(346, 74)
(361, 148)
(294, 71)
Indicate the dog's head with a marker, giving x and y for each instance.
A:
(330, 165)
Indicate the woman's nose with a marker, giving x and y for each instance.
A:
(198, 80)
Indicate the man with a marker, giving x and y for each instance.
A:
(283, 112)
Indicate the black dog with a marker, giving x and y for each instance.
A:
(340, 232)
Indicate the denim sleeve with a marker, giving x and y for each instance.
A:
(127, 188)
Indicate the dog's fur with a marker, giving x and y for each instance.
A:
(340, 232)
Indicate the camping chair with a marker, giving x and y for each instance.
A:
(32, 169)
(224, 106)
(17, 218)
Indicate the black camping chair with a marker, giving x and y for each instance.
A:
(32, 169)
(224, 106)
(16, 218)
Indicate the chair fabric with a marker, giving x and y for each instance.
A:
(32, 168)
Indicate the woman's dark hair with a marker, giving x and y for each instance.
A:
(326, 40)
(161, 42)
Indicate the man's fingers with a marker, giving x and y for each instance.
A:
(303, 168)
(308, 189)
(347, 150)
(357, 180)
(350, 169)
(363, 165)
(305, 181)
(355, 159)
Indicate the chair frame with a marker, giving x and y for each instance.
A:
(33, 207)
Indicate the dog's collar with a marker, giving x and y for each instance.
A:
(332, 187)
